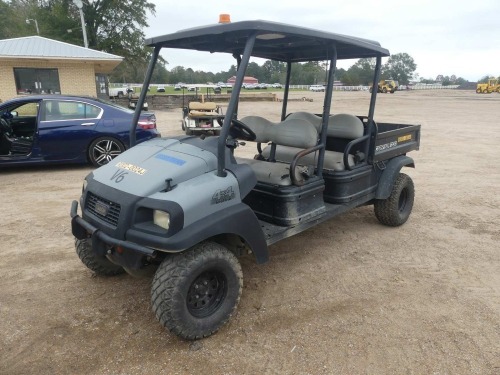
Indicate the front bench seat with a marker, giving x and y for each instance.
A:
(293, 133)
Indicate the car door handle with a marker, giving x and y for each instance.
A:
(88, 123)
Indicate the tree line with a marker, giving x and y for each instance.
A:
(117, 27)
(400, 67)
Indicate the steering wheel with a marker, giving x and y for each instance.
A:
(239, 130)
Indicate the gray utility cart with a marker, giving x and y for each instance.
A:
(186, 208)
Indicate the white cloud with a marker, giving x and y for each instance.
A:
(443, 36)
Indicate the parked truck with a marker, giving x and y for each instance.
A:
(119, 92)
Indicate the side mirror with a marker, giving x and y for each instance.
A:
(14, 113)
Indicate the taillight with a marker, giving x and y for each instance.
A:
(148, 123)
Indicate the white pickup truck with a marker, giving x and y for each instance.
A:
(118, 92)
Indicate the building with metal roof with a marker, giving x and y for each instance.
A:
(45, 66)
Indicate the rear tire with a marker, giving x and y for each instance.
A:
(195, 292)
(104, 149)
(99, 264)
(395, 210)
(478, 91)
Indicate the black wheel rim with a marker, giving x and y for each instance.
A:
(106, 150)
(206, 294)
(403, 198)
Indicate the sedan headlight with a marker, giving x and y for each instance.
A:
(162, 219)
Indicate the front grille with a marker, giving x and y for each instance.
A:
(104, 209)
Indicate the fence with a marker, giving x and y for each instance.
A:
(335, 88)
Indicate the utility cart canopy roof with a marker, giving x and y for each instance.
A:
(275, 41)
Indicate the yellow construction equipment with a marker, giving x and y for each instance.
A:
(488, 88)
(387, 85)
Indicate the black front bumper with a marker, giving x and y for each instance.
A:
(105, 245)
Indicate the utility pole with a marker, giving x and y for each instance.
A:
(79, 5)
(36, 24)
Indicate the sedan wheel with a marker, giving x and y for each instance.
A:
(103, 150)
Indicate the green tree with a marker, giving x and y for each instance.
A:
(274, 71)
(7, 16)
(399, 67)
(485, 79)
(13, 18)
(362, 71)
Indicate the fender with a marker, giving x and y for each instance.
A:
(238, 219)
(390, 173)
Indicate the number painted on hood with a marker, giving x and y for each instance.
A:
(118, 176)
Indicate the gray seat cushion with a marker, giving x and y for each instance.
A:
(290, 132)
(273, 173)
(345, 126)
(333, 160)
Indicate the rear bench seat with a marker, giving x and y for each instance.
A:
(342, 125)
(197, 109)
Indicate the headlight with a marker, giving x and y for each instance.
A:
(84, 187)
(162, 219)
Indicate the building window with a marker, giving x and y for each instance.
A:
(37, 81)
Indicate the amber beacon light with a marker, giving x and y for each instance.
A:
(224, 18)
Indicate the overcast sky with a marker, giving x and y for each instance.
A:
(443, 36)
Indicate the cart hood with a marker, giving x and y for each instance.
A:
(144, 169)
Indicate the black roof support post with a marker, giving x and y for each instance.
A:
(372, 127)
(142, 96)
(232, 106)
(287, 89)
(326, 110)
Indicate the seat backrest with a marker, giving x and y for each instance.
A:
(307, 116)
(207, 106)
(290, 132)
(345, 125)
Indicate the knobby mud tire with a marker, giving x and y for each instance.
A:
(99, 264)
(395, 210)
(195, 292)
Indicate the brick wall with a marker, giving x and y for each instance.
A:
(75, 78)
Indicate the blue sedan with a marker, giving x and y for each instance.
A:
(48, 129)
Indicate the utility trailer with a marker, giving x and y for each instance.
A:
(186, 208)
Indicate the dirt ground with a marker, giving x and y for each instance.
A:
(347, 297)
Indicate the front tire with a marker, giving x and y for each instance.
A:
(395, 210)
(195, 292)
(99, 264)
(104, 149)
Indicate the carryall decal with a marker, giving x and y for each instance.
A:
(386, 146)
(131, 168)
